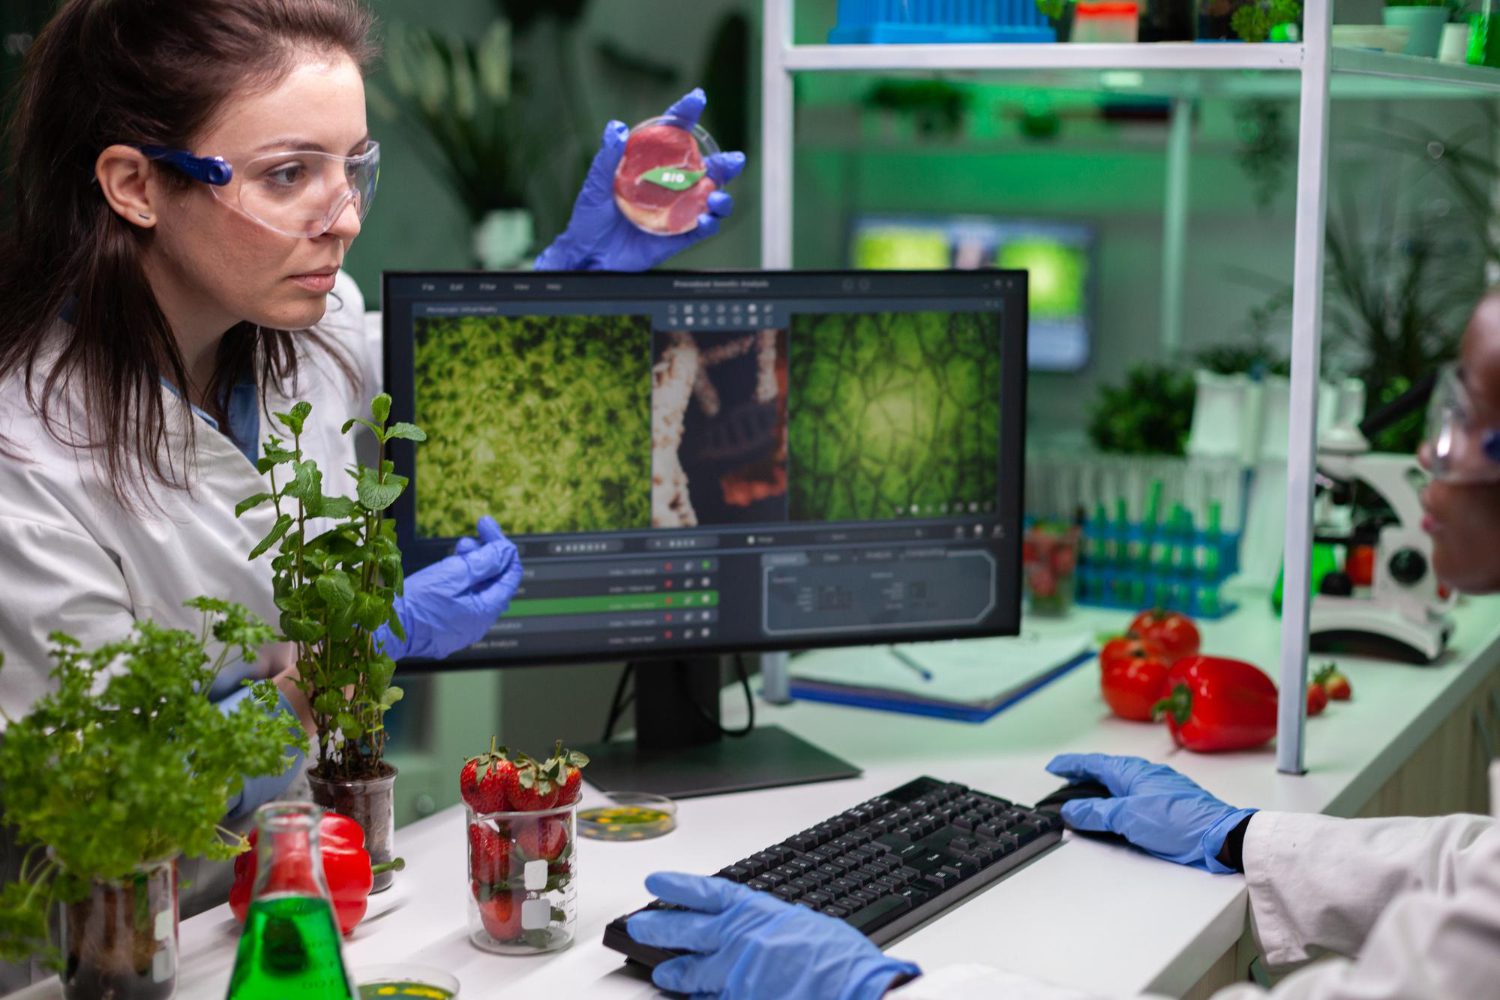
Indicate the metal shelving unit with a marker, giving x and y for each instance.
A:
(1313, 71)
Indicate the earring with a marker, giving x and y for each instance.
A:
(144, 216)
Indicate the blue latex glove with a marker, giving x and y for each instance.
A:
(750, 944)
(1158, 810)
(600, 238)
(451, 604)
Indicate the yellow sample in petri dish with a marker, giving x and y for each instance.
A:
(405, 982)
(629, 816)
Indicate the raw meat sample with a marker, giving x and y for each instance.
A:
(651, 205)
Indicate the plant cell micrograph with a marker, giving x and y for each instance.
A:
(543, 422)
(893, 415)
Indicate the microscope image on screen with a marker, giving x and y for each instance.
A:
(893, 415)
(718, 443)
(542, 420)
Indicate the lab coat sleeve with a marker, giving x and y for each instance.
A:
(257, 791)
(1319, 884)
(58, 579)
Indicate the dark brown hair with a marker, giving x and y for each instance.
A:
(138, 72)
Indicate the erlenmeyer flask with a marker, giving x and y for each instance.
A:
(290, 948)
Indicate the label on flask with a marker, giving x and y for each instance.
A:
(673, 178)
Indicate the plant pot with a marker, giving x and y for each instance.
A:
(1454, 47)
(369, 802)
(120, 940)
(1426, 24)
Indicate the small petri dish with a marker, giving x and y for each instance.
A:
(411, 982)
(629, 816)
(662, 183)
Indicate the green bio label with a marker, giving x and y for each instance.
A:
(673, 178)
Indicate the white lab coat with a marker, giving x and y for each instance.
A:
(1411, 907)
(72, 559)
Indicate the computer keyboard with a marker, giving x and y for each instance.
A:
(889, 864)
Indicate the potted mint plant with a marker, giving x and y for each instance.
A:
(336, 590)
(115, 774)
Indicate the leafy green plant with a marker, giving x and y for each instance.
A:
(1266, 147)
(1149, 414)
(127, 763)
(1254, 21)
(457, 95)
(936, 106)
(334, 590)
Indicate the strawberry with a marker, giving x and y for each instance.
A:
(567, 767)
(1335, 683)
(545, 838)
(1317, 698)
(529, 786)
(489, 855)
(500, 912)
(484, 778)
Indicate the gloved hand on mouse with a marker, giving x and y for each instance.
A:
(1164, 813)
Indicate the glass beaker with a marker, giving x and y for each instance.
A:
(370, 803)
(290, 946)
(522, 870)
(120, 940)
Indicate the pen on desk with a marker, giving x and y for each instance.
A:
(908, 661)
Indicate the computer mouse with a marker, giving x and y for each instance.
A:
(1080, 790)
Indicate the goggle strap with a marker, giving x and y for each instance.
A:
(205, 169)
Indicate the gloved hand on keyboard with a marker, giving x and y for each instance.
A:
(748, 944)
(600, 238)
(452, 603)
(1158, 810)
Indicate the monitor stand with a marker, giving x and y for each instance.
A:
(680, 751)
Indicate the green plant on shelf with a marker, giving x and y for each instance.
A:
(1255, 22)
(1150, 413)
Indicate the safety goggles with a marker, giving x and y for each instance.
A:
(297, 193)
(1455, 449)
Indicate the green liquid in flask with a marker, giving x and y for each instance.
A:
(290, 951)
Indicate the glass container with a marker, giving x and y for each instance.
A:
(662, 183)
(370, 802)
(291, 946)
(523, 867)
(120, 940)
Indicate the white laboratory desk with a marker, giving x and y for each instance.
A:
(1085, 914)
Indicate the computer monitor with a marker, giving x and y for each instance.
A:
(1059, 256)
(698, 464)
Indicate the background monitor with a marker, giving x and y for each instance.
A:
(710, 463)
(1059, 256)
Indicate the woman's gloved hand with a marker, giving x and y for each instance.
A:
(1158, 810)
(600, 238)
(452, 603)
(750, 944)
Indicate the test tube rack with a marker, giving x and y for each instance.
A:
(1132, 567)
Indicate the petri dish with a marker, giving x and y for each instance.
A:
(405, 982)
(629, 816)
(662, 184)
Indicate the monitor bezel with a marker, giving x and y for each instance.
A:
(1013, 436)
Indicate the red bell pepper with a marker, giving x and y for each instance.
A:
(1217, 703)
(346, 869)
(1132, 685)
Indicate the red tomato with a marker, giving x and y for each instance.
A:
(1122, 648)
(1132, 685)
(1171, 632)
(1317, 698)
(1360, 566)
(1219, 704)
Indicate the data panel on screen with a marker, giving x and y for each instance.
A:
(727, 461)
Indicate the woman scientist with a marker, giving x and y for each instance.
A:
(1409, 907)
(187, 178)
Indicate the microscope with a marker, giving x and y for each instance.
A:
(1385, 601)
